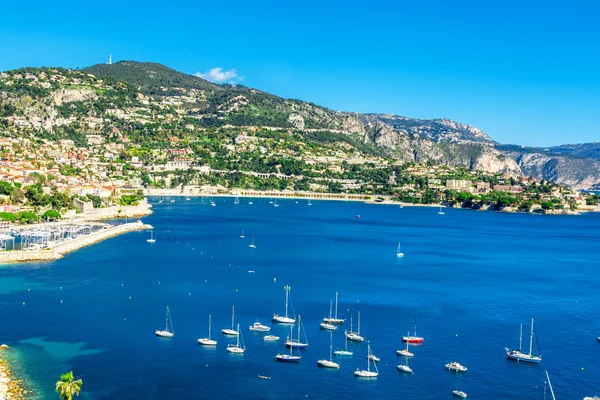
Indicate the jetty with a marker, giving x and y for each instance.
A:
(58, 250)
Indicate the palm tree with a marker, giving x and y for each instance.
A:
(67, 386)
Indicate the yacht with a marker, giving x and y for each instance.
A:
(228, 331)
(208, 341)
(258, 327)
(414, 338)
(168, 323)
(405, 352)
(518, 355)
(361, 373)
(329, 363)
(344, 351)
(398, 252)
(405, 368)
(327, 325)
(271, 338)
(335, 320)
(251, 245)
(151, 240)
(242, 236)
(441, 212)
(283, 357)
(455, 366)
(297, 343)
(284, 319)
(355, 336)
(237, 348)
(459, 393)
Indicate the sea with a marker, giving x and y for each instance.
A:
(469, 278)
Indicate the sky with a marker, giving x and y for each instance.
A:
(525, 72)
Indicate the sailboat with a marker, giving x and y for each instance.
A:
(309, 203)
(441, 212)
(227, 331)
(167, 333)
(297, 344)
(355, 336)
(242, 236)
(237, 349)
(275, 204)
(329, 363)
(398, 252)
(208, 341)
(414, 338)
(517, 355)
(151, 240)
(284, 319)
(251, 245)
(335, 320)
(236, 200)
(404, 368)
(327, 325)
(344, 351)
(361, 373)
(405, 353)
(288, 357)
(212, 203)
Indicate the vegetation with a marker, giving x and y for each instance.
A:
(67, 386)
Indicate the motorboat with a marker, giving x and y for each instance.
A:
(271, 338)
(258, 327)
(459, 393)
(455, 366)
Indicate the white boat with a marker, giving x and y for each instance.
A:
(518, 355)
(288, 357)
(212, 203)
(398, 252)
(250, 203)
(327, 325)
(251, 245)
(335, 320)
(309, 203)
(405, 368)
(361, 373)
(344, 351)
(416, 339)
(271, 338)
(284, 319)
(329, 363)
(374, 358)
(258, 327)
(405, 352)
(441, 212)
(270, 201)
(208, 341)
(455, 366)
(355, 336)
(173, 201)
(275, 204)
(167, 333)
(237, 348)
(187, 198)
(227, 331)
(297, 343)
(151, 240)
(236, 200)
(459, 393)
(242, 236)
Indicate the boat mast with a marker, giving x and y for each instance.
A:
(531, 339)
(232, 314)
(329, 310)
(238, 336)
(550, 385)
(336, 304)
(299, 322)
(368, 358)
(287, 292)
(209, 322)
(415, 325)
(330, 345)
(359, 322)
(521, 339)
(167, 320)
(291, 339)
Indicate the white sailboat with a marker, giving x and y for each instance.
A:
(251, 245)
(288, 357)
(405, 368)
(344, 351)
(151, 240)
(355, 336)
(275, 204)
(167, 333)
(398, 252)
(297, 343)
(309, 203)
(212, 203)
(441, 212)
(405, 352)
(237, 348)
(208, 341)
(518, 355)
(227, 331)
(361, 373)
(242, 236)
(335, 320)
(284, 319)
(327, 325)
(236, 200)
(329, 363)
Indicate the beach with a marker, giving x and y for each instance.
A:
(10, 388)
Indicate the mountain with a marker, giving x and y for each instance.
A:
(149, 104)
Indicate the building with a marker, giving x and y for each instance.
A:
(482, 187)
(458, 184)
(83, 206)
(508, 188)
(94, 140)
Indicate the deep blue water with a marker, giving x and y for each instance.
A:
(471, 278)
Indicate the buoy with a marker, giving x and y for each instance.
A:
(23, 303)
(189, 294)
(159, 282)
(236, 290)
(122, 284)
(206, 280)
(61, 288)
(61, 301)
(29, 290)
(274, 279)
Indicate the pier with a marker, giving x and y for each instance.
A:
(57, 251)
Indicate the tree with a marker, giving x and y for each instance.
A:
(51, 215)
(67, 386)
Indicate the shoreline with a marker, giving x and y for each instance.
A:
(59, 250)
(10, 387)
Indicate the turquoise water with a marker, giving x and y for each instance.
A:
(471, 278)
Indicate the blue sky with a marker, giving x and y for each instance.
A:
(525, 72)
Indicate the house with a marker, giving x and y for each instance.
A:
(83, 206)
(508, 188)
(458, 184)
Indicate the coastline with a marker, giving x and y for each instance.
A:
(10, 387)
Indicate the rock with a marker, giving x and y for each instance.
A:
(4, 346)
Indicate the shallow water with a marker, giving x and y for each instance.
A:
(471, 278)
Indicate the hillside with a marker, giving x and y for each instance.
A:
(150, 105)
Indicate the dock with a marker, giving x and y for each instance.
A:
(59, 250)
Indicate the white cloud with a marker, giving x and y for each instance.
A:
(219, 75)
